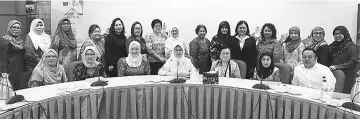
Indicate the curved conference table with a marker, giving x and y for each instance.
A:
(134, 97)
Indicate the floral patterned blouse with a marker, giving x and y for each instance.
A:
(275, 76)
(293, 59)
(215, 45)
(81, 72)
(125, 70)
(32, 56)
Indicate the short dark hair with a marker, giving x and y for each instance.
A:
(198, 28)
(271, 27)
(133, 27)
(224, 47)
(92, 28)
(154, 22)
(309, 49)
(240, 23)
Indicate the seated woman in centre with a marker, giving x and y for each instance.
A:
(266, 69)
(135, 63)
(89, 67)
(178, 64)
(226, 67)
(48, 70)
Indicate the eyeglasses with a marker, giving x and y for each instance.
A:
(51, 56)
(65, 23)
(318, 33)
(17, 28)
(89, 54)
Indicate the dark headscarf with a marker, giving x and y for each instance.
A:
(290, 44)
(263, 72)
(67, 36)
(224, 38)
(338, 47)
(119, 39)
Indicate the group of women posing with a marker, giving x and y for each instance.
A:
(47, 58)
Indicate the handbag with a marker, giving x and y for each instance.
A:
(6, 89)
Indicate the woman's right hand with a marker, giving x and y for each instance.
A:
(111, 68)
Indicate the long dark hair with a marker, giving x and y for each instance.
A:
(112, 27)
(221, 25)
(264, 72)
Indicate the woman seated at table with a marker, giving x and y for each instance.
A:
(225, 67)
(135, 63)
(178, 64)
(89, 67)
(48, 70)
(266, 69)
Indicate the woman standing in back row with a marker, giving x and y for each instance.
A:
(114, 47)
(64, 43)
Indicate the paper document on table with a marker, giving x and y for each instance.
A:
(5, 107)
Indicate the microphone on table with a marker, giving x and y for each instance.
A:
(351, 105)
(177, 79)
(98, 82)
(13, 99)
(261, 85)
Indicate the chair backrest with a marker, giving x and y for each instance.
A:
(70, 70)
(285, 72)
(340, 79)
(242, 68)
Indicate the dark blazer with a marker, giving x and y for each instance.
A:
(247, 54)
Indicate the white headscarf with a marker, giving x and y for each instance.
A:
(41, 41)
(173, 57)
(134, 61)
(91, 64)
(171, 41)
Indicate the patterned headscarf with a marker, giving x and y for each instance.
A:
(14, 40)
(313, 44)
(338, 47)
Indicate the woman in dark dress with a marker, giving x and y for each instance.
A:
(89, 67)
(343, 56)
(220, 39)
(200, 50)
(136, 35)
(244, 47)
(12, 54)
(317, 42)
(114, 47)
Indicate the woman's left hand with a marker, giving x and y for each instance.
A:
(332, 67)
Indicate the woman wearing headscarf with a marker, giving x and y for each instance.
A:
(293, 47)
(64, 42)
(135, 63)
(48, 71)
(343, 56)
(220, 39)
(36, 42)
(200, 50)
(226, 67)
(317, 42)
(96, 41)
(89, 67)
(268, 43)
(12, 53)
(266, 69)
(173, 39)
(178, 64)
(114, 47)
(244, 47)
(136, 35)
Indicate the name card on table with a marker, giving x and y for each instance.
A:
(211, 77)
